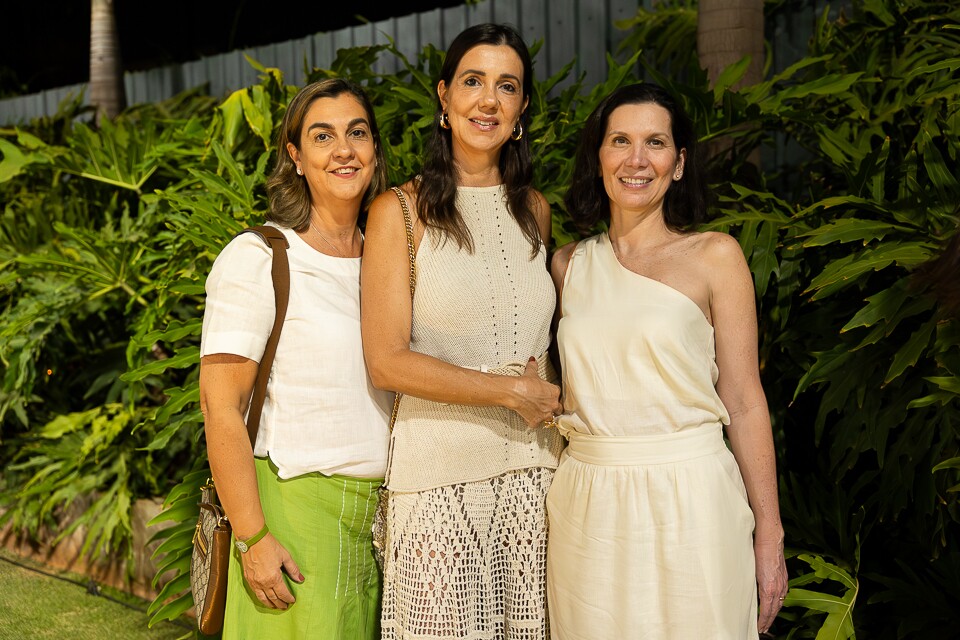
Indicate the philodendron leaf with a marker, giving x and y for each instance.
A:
(849, 268)
(850, 230)
(231, 111)
(909, 354)
(185, 357)
(880, 306)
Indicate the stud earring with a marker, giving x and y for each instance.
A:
(299, 171)
(444, 121)
(517, 132)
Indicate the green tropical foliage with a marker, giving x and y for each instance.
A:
(108, 234)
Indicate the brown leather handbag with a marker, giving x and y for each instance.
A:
(211, 538)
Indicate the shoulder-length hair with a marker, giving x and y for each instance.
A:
(288, 192)
(437, 187)
(685, 203)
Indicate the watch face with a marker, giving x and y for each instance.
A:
(242, 546)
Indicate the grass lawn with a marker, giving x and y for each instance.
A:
(37, 606)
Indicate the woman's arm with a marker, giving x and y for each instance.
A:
(558, 272)
(541, 212)
(226, 382)
(733, 310)
(385, 313)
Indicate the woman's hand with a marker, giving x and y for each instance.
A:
(771, 579)
(263, 567)
(537, 400)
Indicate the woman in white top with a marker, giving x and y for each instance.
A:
(657, 530)
(303, 498)
(470, 461)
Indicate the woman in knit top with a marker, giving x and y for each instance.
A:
(470, 460)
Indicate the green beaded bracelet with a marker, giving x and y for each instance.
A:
(244, 545)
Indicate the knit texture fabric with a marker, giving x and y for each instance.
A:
(490, 310)
(468, 561)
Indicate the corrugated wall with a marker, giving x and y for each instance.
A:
(580, 29)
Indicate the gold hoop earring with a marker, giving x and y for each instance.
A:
(517, 132)
(444, 121)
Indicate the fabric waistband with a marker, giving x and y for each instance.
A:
(512, 368)
(656, 449)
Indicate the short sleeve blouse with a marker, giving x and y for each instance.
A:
(321, 412)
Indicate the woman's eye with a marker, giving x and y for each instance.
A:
(509, 88)
(656, 143)
(321, 137)
(471, 82)
(619, 140)
(358, 133)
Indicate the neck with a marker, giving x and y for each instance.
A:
(637, 229)
(334, 232)
(338, 222)
(477, 169)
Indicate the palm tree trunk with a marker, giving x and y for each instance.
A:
(106, 74)
(728, 30)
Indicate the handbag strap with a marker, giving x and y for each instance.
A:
(412, 255)
(280, 273)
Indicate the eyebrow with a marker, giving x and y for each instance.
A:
(328, 126)
(477, 72)
(655, 134)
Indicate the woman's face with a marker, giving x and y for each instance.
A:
(336, 153)
(638, 158)
(484, 99)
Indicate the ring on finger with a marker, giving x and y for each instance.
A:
(551, 423)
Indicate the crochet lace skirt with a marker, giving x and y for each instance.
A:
(468, 561)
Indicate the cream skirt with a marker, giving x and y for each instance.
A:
(651, 538)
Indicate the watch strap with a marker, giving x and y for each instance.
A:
(244, 545)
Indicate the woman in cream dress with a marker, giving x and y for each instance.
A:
(657, 530)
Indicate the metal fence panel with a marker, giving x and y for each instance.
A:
(581, 30)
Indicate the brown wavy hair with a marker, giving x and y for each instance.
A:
(288, 192)
(436, 188)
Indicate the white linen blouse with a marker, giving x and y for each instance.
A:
(321, 412)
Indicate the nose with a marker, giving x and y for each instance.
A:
(344, 148)
(489, 98)
(637, 157)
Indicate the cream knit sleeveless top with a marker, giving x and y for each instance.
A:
(489, 310)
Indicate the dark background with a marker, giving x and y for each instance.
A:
(46, 43)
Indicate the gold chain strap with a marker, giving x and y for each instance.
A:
(412, 254)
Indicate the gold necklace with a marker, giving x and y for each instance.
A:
(324, 238)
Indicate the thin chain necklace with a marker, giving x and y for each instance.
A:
(324, 238)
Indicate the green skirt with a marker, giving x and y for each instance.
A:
(324, 522)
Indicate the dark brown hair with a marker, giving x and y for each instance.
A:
(288, 192)
(437, 187)
(685, 203)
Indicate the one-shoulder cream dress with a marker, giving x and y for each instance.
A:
(650, 528)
